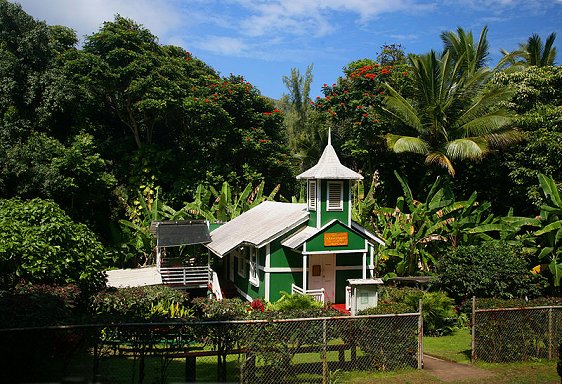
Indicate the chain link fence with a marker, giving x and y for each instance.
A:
(516, 334)
(261, 351)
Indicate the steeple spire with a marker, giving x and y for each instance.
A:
(329, 136)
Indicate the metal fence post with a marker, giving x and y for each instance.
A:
(324, 342)
(550, 333)
(420, 335)
(473, 325)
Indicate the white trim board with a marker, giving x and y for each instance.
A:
(341, 251)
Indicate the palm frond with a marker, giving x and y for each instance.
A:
(466, 148)
(399, 144)
(441, 160)
(401, 109)
(483, 103)
(495, 122)
(504, 139)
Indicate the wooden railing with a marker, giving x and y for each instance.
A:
(186, 276)
(317, 294)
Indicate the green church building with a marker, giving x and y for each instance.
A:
(311, 248)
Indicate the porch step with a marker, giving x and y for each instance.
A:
(228, 290)
(341, 308)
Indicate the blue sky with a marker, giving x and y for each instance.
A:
(262, 40)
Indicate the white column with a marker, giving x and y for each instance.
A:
(364, 265)
(304, 272)
(372, 262)
(267, 273)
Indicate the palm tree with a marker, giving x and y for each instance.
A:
(453, 116)
(305, 131)
(533, 52)
(462, 48)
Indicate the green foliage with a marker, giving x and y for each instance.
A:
(491, 269)
(416, 233)
(44, 245)
(550, 235)
(452, 115)
(439, 316)
(386, 309)
(139, 304)
(293, 302)
(226, 309)
(39, 305)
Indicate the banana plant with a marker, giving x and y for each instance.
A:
(416, 232)
(550, 235)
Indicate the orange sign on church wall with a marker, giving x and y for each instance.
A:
(335, 239)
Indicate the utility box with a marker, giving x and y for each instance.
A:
(362, 294)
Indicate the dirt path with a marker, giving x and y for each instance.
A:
(448, 371)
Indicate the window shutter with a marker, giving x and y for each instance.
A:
(312, 195)
(335, 196)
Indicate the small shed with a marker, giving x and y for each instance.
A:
(363, 294)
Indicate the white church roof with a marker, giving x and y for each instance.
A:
(329, 167)
(258, 226)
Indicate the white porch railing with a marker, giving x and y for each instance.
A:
(187, 276)
(216, 286)
(317, 294)
(348, 297)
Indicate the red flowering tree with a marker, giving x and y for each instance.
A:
(353, 106)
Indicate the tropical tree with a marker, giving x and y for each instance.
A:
(464, 50)
(417, 232)
(453, 114)
(305, 131)
(533, 52)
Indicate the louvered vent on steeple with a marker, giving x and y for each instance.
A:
(312, 195)
(335, 196)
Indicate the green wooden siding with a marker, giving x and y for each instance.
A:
(327, 216)
(243, 283)
(281, 281)
(316, 243)
(312, 216)
(341, 283)
(283, 257)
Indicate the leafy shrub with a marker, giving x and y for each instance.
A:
(439, 316)
(516, 335)
(43, 245)
(386, 308)
(152, 303)
(226, 309)
(492, 269)
(39, 305)
(289, 302)
(487, 303)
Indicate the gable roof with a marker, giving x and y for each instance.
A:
(258, 226)
(329, 167)
(307, 233)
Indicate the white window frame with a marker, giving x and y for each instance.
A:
(312, 198)
(241, 269)
(253, 263)
(340, 206)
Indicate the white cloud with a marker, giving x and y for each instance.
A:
(222, 45)
(87, 16)
(317, 18)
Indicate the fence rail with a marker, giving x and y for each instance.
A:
(254, 351)
(186, 276)
(515, 334)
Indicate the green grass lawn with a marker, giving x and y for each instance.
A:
(455, 347)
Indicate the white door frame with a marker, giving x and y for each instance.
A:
(327, 263)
